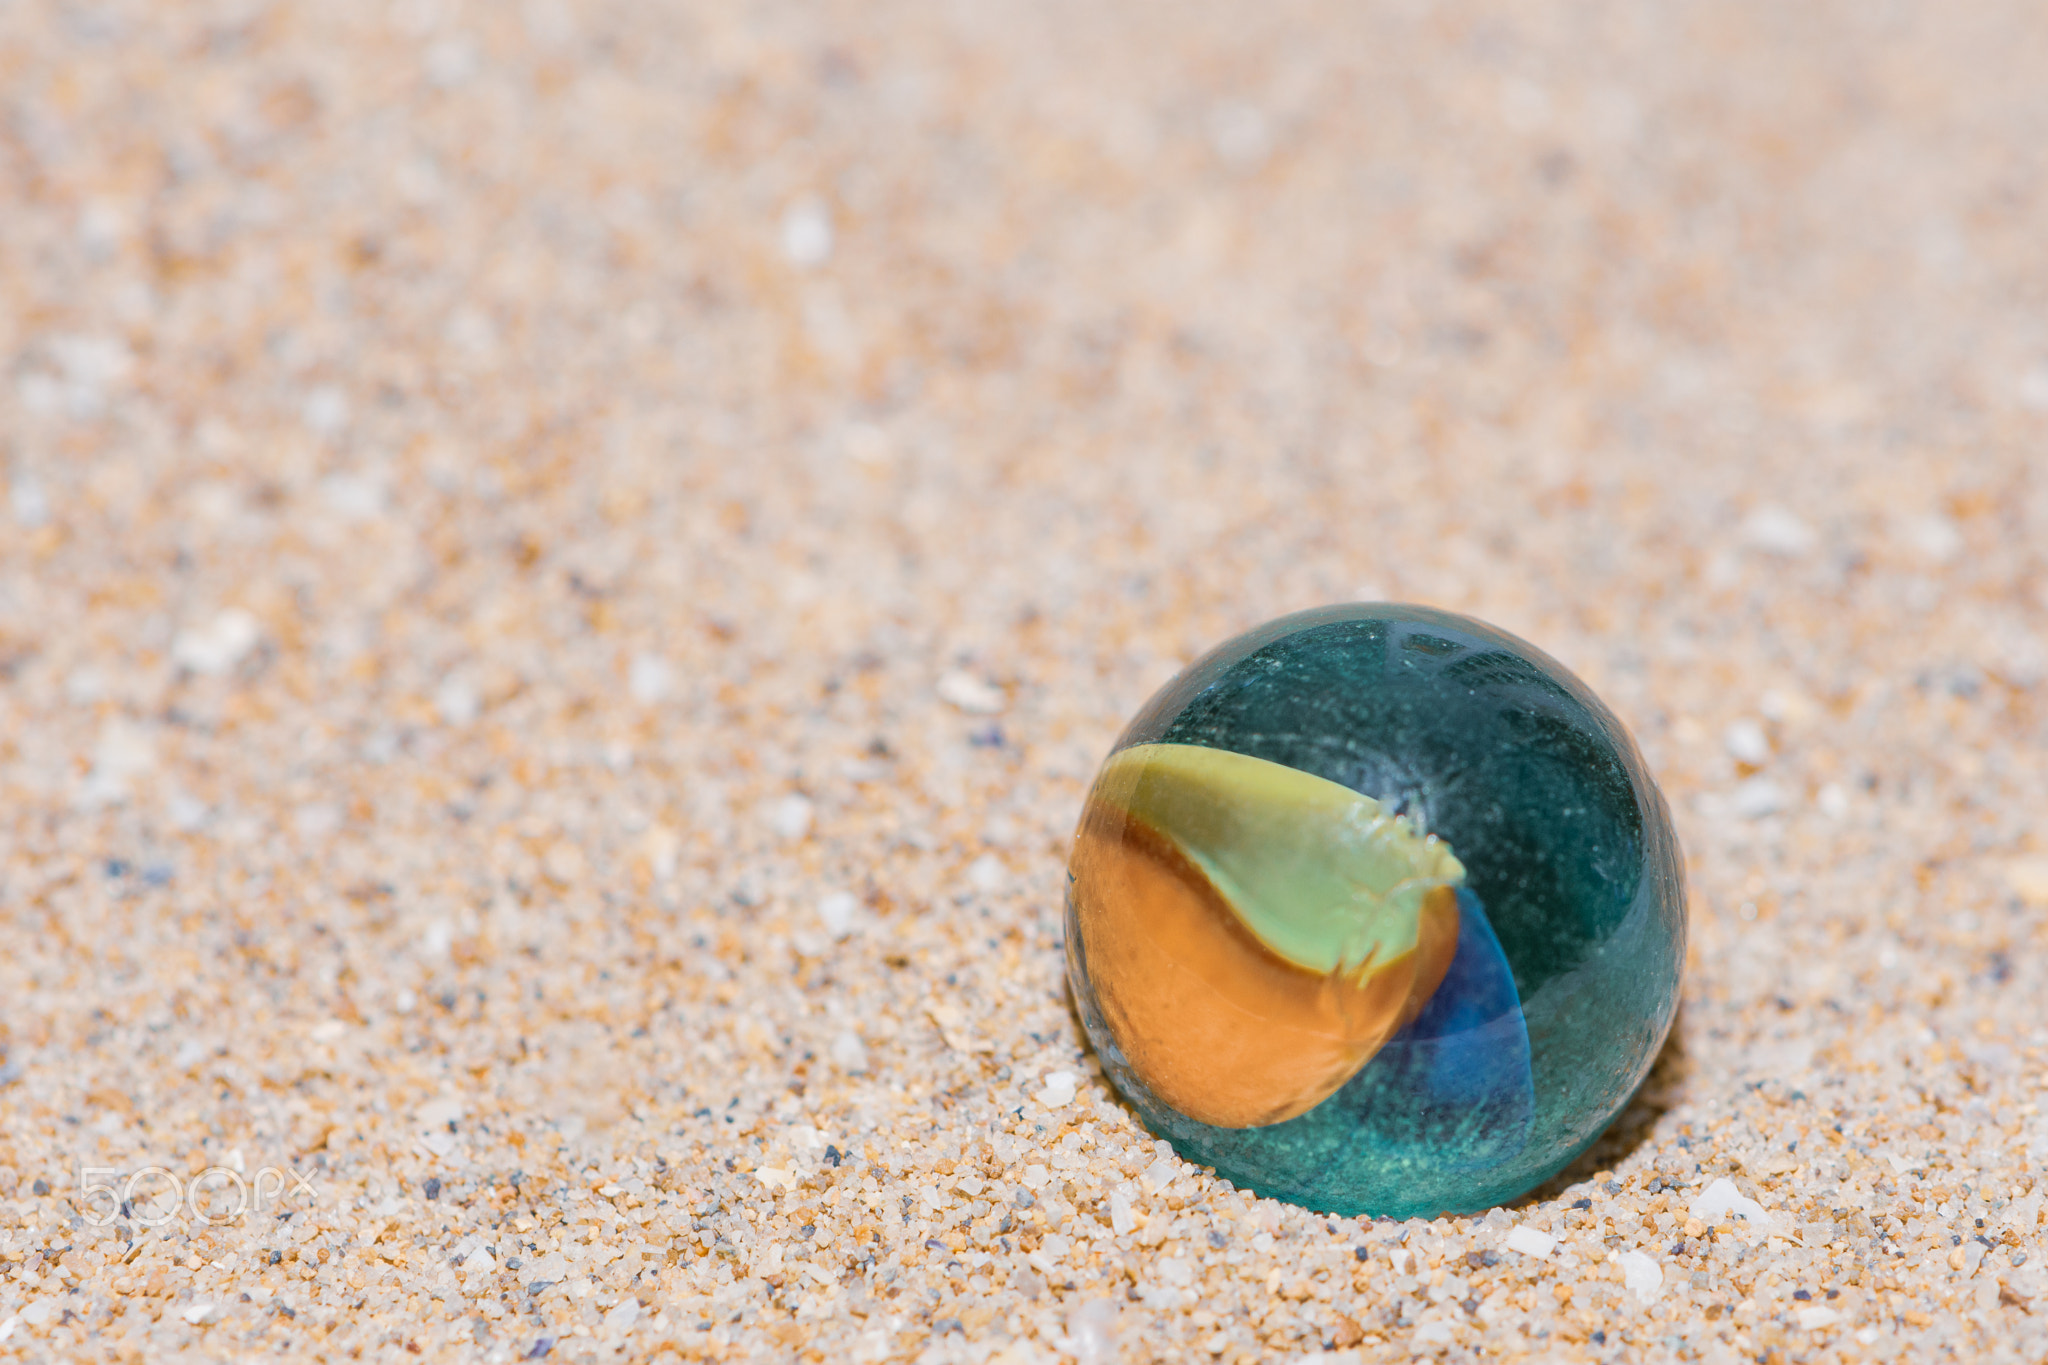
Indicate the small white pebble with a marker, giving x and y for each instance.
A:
(1161, 1173)
(791, 817)
(619, 1321)
(1746, 742)
(1035, 1177)
(1832, 801)
(664, 848)
(1531, 1242)
(199, 1314)
(1721, 1199)
(649, 679)
(849, 1054)
(217, 646)
(353, 497)
(969, 693)
(2020, 657)
(836, 912)
(1122, 1218)
(1756, 798)
(316, 819)
(1817, 1317)
(1932, 536)
(1787, 706)
(1642, 1276)
(456, 701)
(325, 412)
(1774, 530)
(1059, 1090)
(439, 1113)
(1091, 1332)
(186, 813)
(986, 873)
(2028, 878)
(124, 750)
(807, 232)
(91, 364)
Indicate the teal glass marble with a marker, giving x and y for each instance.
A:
(1375, 909)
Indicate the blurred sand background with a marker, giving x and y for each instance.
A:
(563, 569)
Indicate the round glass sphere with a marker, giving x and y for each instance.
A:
(1376, 910)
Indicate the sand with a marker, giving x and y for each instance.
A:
(564, 570)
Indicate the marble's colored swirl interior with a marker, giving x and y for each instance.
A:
(1255, 933)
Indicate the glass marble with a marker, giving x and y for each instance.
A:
(1375, 909)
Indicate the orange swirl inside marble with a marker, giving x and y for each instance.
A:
(1219, 1025)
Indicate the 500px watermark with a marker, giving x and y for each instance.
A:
(155, 1195)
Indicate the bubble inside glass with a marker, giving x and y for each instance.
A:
(1376, 910)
